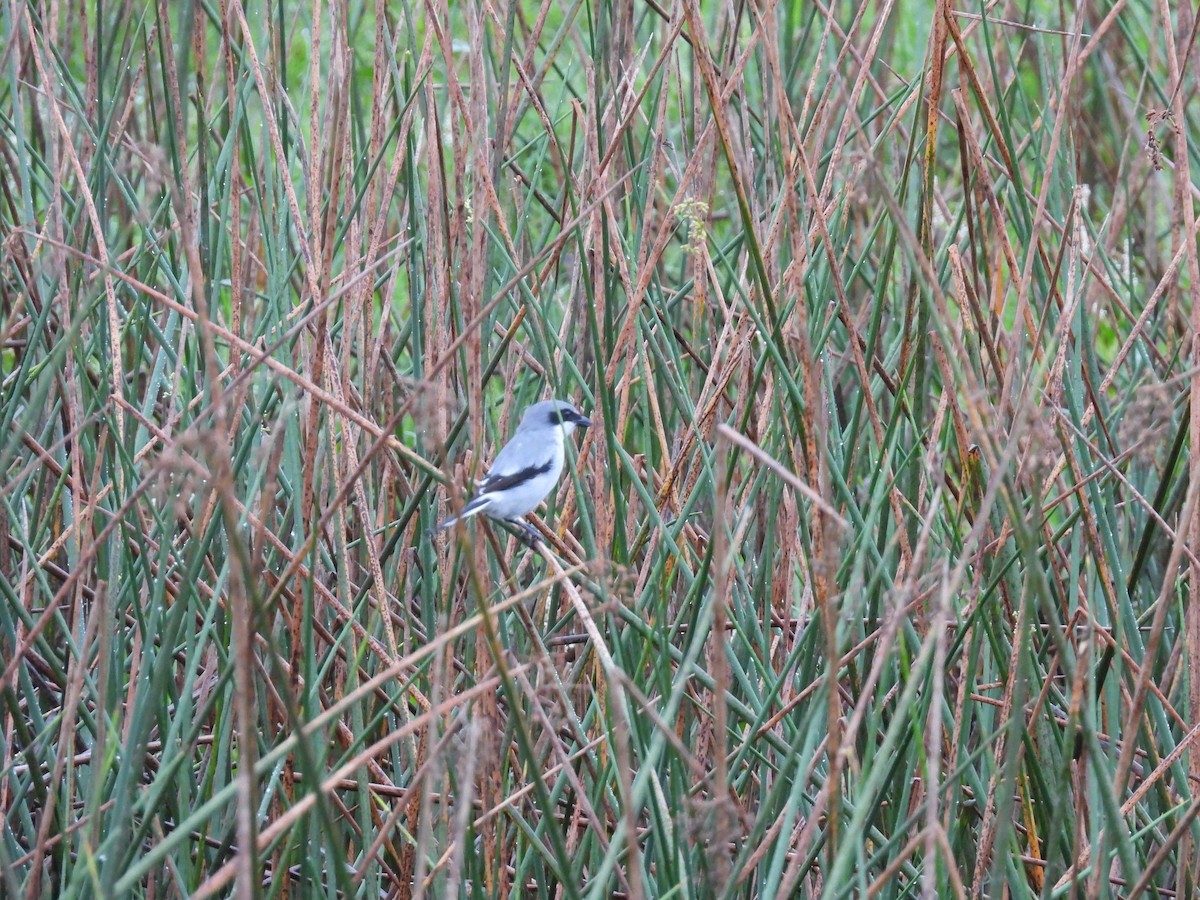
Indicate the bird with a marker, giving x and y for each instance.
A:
(526, 468)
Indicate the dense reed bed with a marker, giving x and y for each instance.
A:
(872, 579)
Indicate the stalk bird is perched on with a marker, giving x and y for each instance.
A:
(527, 468)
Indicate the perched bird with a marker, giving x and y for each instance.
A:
(527, 468)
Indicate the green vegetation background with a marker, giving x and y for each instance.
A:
(873, 577)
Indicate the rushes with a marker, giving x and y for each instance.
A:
(872, 572)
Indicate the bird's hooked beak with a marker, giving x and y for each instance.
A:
(582, 421)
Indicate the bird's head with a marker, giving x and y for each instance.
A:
(555, 414)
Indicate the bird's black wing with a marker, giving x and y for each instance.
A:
(494, 483)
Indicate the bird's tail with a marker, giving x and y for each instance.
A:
(478, 505)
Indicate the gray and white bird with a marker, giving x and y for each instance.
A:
(527, 467)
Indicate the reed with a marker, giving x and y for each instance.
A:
(872, 579)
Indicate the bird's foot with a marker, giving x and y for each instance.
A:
(529, 534)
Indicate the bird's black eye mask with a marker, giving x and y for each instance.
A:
(560, 417)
